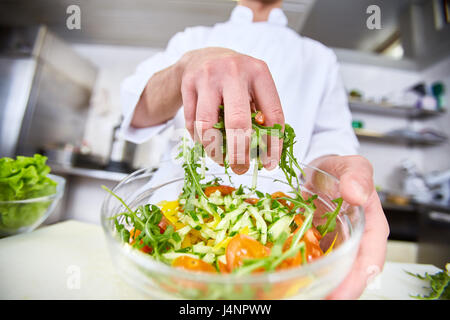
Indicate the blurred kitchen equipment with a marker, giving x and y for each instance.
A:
(67, 155)
(45, 88)
(414, 183)
(432, 188)
(397, 199)
(439, 184)
(357, 124)
(431, 195)
(122, 152)
(438, 90)
(63, 155)
(425, 99)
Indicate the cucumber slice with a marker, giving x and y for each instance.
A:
(222, 258)
(209, 258)
(201, 248)
(281, 225)
(261, 225)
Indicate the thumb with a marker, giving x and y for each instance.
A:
(355, 174)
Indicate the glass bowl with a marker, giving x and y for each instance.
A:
(314, 280)
(26, 215)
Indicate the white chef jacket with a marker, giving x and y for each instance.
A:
(305, 72)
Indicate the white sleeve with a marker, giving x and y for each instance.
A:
(133, 86)
(333, 132)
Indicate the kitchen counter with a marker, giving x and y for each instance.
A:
(69, 260)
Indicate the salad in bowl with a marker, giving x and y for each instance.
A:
(208, 235)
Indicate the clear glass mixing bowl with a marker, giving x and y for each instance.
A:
(311, 281)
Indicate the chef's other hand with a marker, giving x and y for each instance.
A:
(214, 76)
(357, 188)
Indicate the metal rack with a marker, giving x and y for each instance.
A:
(411, 113)
(393, 110)
(397, 139)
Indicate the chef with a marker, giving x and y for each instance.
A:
(253, 62)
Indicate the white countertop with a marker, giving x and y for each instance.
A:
(47, 263)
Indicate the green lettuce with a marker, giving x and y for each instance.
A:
(20, 179)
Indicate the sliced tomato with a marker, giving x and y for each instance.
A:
(259, 118)
(299, 221)
(313, 250)
(163, 224)
(134, 233)
(275, 292)
(280, 194)
(146, 249)
(192, 264)
(293, 261)
(224, 190)
(243, 247)
(223, 267)
(252, 200)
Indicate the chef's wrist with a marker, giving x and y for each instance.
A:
(181, 64)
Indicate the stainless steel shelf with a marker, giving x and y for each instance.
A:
(392, 110)
(395, 139)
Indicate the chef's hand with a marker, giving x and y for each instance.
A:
(357, 188)
(214, 76)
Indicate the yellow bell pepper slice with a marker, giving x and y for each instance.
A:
(332, 245)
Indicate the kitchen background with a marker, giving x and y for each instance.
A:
(398, 79)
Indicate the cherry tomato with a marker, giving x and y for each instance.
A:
(134, 233)
(299, 221)
(259, 118)
(313, 250)
(293, 261)
(252, 200)
(223, 267)
(224, 190)
(192, 264)
(243, 247)
(146, 249)
(163, 224)
(280, 194)
(275, 292)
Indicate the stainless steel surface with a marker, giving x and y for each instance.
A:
(16, 78)
(417, 140)
(62, 156)
(392, 110)
(88, 173)
(434, 235)
(45, 92)
(122, 152)
(132, 22)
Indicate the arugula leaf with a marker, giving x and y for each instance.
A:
(240, 190)
(259, 194)
(439, 285)
(330, 224)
